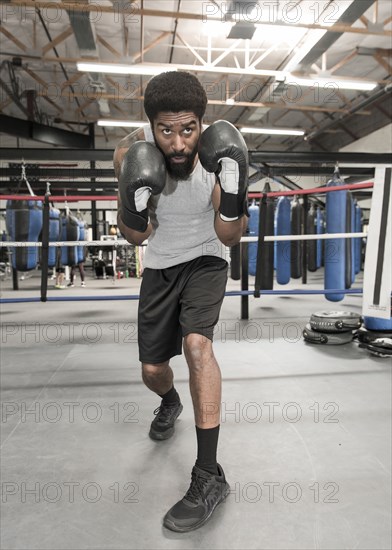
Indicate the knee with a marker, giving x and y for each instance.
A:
(153, 371)
(197, 348)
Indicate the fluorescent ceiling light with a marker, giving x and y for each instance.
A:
(116, 68)
(344, 84)
(146, 69)
(272, 131)
(151, 69)
(122, 123)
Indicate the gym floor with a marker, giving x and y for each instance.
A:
(305, 430)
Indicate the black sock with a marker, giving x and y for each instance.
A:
(207, 443)
(170, 397)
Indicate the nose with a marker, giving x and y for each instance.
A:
(178, 145)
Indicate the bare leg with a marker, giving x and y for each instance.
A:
(204, 380)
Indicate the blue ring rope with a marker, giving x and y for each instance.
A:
(136, 296)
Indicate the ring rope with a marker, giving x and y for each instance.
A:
(313, 191)
(136, 296)
(123, 242)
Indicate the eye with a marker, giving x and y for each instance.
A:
(188, 131)
(166, 131)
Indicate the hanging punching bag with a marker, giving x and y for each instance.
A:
(352, 241)
(82, 236)
(253, 231)
(319, 230)
(358, 242)
(24, 224)
(335, 249)
(283, 249)
(69, 232)
(311, 246)
(296, 246)
(275, 242)
(54, 234)
(348, 243)
(267, 212)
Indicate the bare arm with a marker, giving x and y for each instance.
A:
(229, 233)
(132, 236)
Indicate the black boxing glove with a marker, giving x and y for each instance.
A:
(223, 150)
(143, 173)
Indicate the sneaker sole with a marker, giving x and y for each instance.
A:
(161, 436)
(179, 529)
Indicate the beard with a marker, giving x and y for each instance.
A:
(179, 171)
(183, 170)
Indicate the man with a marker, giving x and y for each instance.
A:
(169, 194)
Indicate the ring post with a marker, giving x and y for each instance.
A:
(244, 280)
(45, 246)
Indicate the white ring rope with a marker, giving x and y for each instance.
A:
(123, 242)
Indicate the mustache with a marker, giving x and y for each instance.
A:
(178, 155)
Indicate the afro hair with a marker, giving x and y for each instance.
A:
(174, 92)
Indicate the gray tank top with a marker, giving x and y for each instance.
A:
(182, 219)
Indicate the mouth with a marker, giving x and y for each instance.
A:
(178, 159)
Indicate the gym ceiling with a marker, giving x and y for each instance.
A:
(248, 55)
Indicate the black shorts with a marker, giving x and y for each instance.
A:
(177, 301)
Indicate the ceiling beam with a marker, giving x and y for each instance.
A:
(348, 18)
(28, 129)
(383, 63)
(56, 41)
(13, 38)
(346, 59)
(253, 104)
(132, 10)
(108, 46)
(237, 71)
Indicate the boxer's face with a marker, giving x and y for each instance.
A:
(177, 137)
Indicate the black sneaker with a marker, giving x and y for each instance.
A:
(206, 491)
(162, 427)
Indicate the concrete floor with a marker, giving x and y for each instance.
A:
(305, 430)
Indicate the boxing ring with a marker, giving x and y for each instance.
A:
(244, 292)
(305, 429)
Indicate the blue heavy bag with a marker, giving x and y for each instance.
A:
(319, 231)
(283, 248)
(267, 209)
(69, 232)
(358, 242)
(275, 233)
(335, 249)
(296, 246)
(82, 237)
(375, 323)
(348, 242)
(253, 231)
(24, 224)
(311, 245)
(352, 241)
(54, 234)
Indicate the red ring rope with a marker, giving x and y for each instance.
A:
(314, 191)
(75, 198)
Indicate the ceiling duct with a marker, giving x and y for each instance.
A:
(352, 14)
(84, 35)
